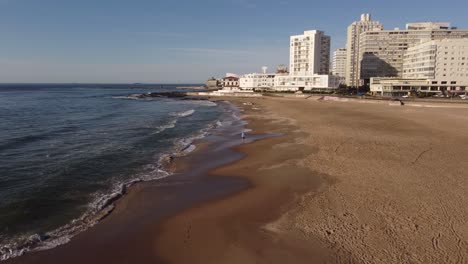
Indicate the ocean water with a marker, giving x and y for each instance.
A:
(67, 152)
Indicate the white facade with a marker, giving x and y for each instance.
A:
(398, 86)
(352, 46)
(309, 53)
(432, 67)
(339, 62)
(387, 86)
(254, 81)
(445, 62)
(427, 25)
(324, 83)
(231, 82)
(382, 52)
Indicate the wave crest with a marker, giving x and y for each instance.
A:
(184, 113)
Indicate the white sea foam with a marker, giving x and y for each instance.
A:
(126, 97)
(171, 124)
(198, 102)
(204, 103)
(184, 113)
(223, 123)
(103, 204)
(235, 116)
(189, 148)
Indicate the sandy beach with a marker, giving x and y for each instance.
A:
(340, 182)
(348, 182)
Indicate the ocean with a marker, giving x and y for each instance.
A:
(68, 151)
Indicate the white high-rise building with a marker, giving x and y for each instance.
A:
(381, 53)
(352, 46)
(339, 62)
(309, 53)
(437, 66)
(443, 61)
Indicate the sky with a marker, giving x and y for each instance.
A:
(178, 41)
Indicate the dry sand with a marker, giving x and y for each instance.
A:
(347, 183)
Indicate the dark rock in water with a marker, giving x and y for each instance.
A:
(180, 95)
(167, 94)
(104, 213)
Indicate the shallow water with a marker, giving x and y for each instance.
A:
(65, 151)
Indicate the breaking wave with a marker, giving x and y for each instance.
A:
(184, 113)
(103, 203)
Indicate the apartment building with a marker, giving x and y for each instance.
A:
(309, 53)
(352, 46)
(441, 60)
(261, 81)
(381, 53)
(316, 83)
(437, 66)
(339, 62)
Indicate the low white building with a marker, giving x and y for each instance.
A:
(316, 83)
(388, 86)
(231, 82)
(257, 81)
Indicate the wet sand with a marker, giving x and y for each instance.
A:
(346, 182)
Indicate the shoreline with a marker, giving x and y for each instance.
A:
(379, 197)
(182, 168)
(344, 182)
(240, 228)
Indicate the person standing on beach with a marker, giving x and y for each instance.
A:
(243, 136)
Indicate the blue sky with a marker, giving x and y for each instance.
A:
(178, 41)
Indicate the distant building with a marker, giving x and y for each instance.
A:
(352, 46)
(282, 70)
(257, 81)
(437, 66)
(309, 65)
(427, 25)
(381, 53)
(212, 83)
(309, 53)
(316, 83)
(339, 63)
(231, 82)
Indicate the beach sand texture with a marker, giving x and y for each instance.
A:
(342, 182)
(347, 183)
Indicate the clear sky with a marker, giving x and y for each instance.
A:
(179, 41)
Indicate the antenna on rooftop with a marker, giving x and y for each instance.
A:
(264, 69)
